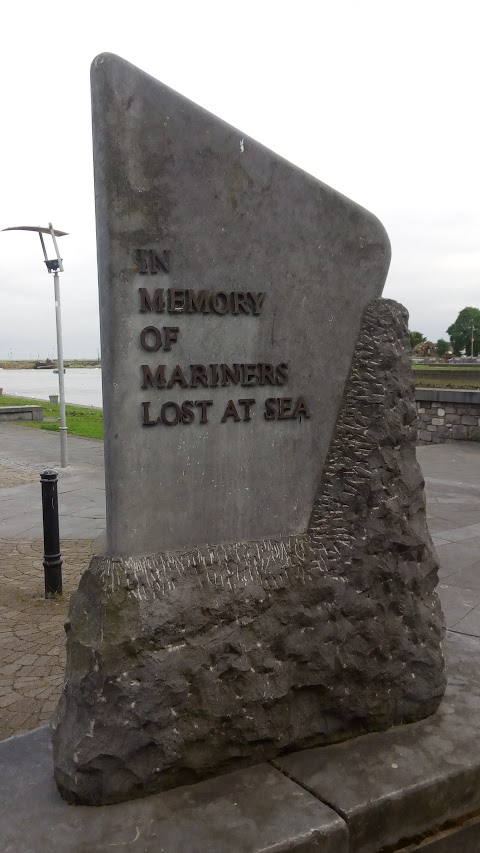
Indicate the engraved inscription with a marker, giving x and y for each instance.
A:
(219, 303)
(150, 261)
(174, 301)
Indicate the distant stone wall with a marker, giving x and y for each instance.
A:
(447, 415)
(21, 413)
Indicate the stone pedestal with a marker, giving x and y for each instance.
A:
(189, 663)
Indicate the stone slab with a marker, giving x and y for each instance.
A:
(249, 811)
(21, 413)
(413, 779)
(447, 395)
(233, 217)
(459, 839)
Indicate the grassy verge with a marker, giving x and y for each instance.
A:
(447, 368)
(460, 384)
(81, 420)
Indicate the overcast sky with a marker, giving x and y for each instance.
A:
(378, 99)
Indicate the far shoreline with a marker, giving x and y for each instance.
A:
(70, 364)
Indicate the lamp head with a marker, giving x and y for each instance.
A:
(56, 264)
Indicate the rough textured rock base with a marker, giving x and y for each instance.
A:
(184, 665)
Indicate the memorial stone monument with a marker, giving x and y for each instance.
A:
(269, 581)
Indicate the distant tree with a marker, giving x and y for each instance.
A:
(442, 348)
(461, 332)
(416, 338)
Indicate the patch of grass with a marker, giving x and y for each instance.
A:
(447, 368)
(81, 420)
(460, 384)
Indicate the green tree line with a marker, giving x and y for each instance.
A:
(464, 332)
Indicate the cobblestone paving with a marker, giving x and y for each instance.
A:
(32, 638)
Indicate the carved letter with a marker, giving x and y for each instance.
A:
(270, 409)
(147, 304)
(230, 412)
(176, 301)
(247, 405)
(163, 413)
(146, 421)
(249, 375)
(213, 375)
(151, 330)
(240, 301)
(300, 409)
(157, 381)
(202, 404)
(198, 301)
(266, 374)
(281, 374)
(177, 377)
(141, 261)
(159, 262)
(216, 302)
(230, 375)
(258, 299)
(198, 376)
(284, 408)
(187, 412)
(169, 337)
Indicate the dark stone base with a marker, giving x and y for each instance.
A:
(412, 788)
(188, 664)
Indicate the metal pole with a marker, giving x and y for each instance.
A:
(52, 559)
(471, 347)
(61, 382)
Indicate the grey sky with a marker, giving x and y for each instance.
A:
(377, 99)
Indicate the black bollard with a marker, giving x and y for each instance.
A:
(52, 559)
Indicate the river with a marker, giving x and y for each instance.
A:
(82, 385)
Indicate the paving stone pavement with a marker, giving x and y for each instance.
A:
(32, 641)
(32, 646)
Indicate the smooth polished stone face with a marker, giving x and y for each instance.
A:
(232, 286)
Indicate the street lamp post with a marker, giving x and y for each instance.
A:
(55, 266)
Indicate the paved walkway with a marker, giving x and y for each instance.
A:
(452, 478)
(24, 453)
(32, 653)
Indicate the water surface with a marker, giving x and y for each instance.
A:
(82, 385)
